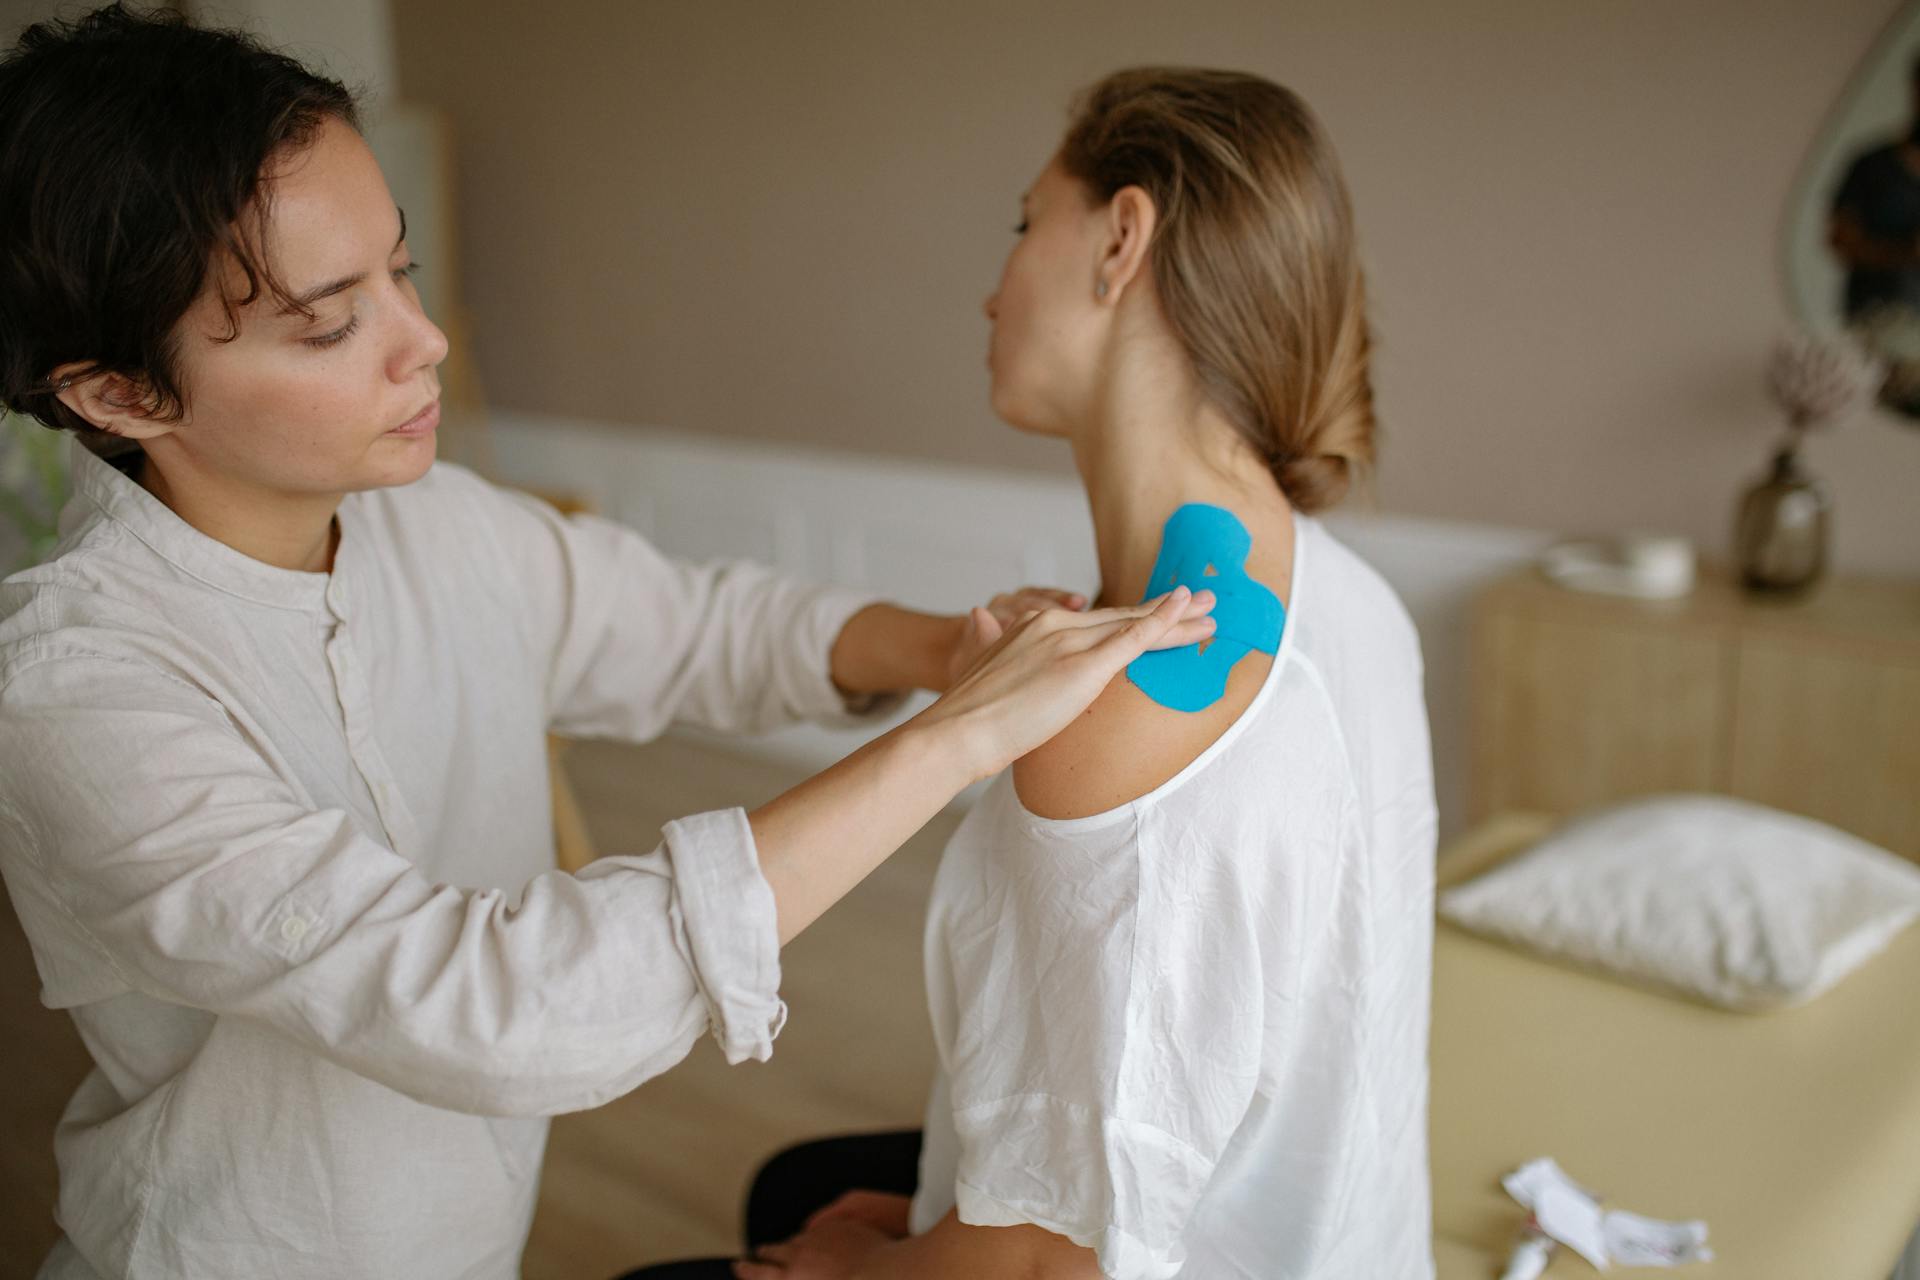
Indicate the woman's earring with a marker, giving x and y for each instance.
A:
(1100, 289)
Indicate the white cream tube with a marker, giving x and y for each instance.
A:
(1530, 1257)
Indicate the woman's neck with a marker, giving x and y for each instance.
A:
(287, 531)
(1145, 454)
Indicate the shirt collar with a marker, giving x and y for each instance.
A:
(153, 523)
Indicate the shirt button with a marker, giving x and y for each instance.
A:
(293, 928)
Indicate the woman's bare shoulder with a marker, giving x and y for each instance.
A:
(1126, 744)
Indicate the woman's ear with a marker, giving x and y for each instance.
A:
(110, 402)
(1130, 219)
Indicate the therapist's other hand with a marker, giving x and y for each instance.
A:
(887, 649)
(982, 626)
(833, 1250)
(884, 1211)
(1048, 667)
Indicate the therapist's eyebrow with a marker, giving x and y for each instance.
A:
(299, 303)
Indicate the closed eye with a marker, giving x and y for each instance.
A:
(335, 338)
(322, 341)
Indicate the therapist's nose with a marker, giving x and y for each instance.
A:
(420, 344)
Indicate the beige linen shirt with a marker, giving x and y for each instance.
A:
(282, 844)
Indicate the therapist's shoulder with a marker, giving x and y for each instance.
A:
(1126, 745)
(105, 595)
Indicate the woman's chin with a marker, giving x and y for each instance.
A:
(1020, 417)
(1028, 426)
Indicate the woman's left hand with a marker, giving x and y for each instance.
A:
(833, 1250)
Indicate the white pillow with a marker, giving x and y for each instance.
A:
(1736, 904)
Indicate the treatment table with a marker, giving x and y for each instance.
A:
(1795, 1134)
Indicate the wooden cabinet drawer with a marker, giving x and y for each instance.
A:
(1574, 712)
(1833, 735)
(1811, 704)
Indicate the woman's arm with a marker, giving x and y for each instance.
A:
(626, 640)
(884, 648)
(821, 838)
(151, 848)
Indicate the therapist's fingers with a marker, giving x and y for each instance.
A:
(1014, 605)
(1167, 621)
(1177, 618)
(1093, 625)
(1172, 620)
(982, 632)
(1074, 600)
(1145, 633)
(1047, 669)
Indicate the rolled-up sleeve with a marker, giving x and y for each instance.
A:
(724, 913)
(635, 640)
(150, 848)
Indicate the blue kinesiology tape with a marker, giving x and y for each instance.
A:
(1205, 548)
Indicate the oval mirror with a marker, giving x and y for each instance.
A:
(1852, 232)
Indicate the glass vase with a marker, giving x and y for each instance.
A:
(1781, 538)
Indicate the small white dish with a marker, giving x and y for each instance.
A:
(1648, 567)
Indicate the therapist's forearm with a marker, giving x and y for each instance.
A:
(819, 840)
(885, 649)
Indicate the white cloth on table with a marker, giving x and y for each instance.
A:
(1190, 1033)
(282, 845)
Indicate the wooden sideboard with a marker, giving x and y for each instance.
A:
(1809, 705)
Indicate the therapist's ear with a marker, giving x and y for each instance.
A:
(109, 402)
(1129, 224)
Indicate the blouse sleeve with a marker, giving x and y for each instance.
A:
(149, 848)
(634, 640)
(1106, 1048)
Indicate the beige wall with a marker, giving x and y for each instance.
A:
(778, 220)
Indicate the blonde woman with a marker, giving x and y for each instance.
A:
(1178, 958)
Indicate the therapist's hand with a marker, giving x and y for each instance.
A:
(819, 839)
(1048, 667)
(984, 625)
(887, 649)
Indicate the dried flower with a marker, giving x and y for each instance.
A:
(1817, 380)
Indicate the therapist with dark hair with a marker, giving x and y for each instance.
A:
(273, 794)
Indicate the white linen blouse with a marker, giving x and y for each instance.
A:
(1190, 1033)
(282, 845)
